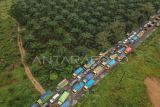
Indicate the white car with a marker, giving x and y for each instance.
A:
(54, 98)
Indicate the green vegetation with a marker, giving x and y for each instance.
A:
(75, 27)
(15, 88)
(131, 91)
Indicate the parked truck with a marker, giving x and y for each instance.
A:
(45, 97)
(122, 49)
(98, 70)
(89, 84)
(90, 62)
(77, 87)
(128, 50)
(121, 56)
(62, 84)
(63, 97)
(35, 105)
(66, 104)
(113, 56)
(109, 63)
(88, 77)
(133, 38)
(140, 34)
(54, 98)
(78, 71)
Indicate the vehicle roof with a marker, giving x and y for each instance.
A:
(48, 93)
(112, 62)
(78, 86)
(64, 96)
(90, 83)
(89, 76)
(78, 70)
(66, 104)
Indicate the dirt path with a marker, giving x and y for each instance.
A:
(28, 72)
(153, 89)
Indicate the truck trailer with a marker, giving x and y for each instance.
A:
(77, 87)
(62, 84)
(88, 77)
(66, 104)
(128, 50)
(45, 97)
(98, 70)
(78, 71)
(89, 84)
(63, 97)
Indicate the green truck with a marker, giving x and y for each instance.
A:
(62, 84)
(63, 97)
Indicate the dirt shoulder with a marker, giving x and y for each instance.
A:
(153, 89)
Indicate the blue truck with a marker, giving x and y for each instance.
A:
(78, 71)
(45, 97)
(89, 84)
(77, 87)
(133, 38)
(66, 104)
(88, 77)
(121, 50)
(109, 63)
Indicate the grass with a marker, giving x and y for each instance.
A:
(131, 91)
(15, 88)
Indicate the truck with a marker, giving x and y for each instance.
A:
(88, 77)
(90, 62)
(73, 82)
(63, 97)
(128, 50)
(109, 63)
(66, 104)
(45, 105)
(54, 98)
(62, 84)
(133, 38)
(77, 87)
(114, 56)
(98, 70)
(121, 56)
(122, 49)
(89, 84)
(45, 97)
(78, 71)
(140, 34)
(35, 105)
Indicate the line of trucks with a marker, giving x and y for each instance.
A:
(85, 76)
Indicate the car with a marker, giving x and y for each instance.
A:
(54, 98)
